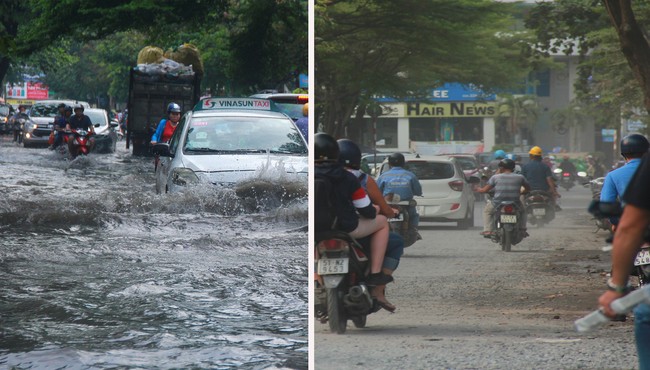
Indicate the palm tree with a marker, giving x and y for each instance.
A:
(570, 119)
(520, 111)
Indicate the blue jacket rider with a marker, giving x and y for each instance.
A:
(399, 181)
(632, 149)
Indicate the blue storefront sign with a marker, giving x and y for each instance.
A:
(450, 92)
(303, 80)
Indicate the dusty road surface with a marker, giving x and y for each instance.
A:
(465, 304)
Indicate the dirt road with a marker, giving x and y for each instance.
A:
(465, 304)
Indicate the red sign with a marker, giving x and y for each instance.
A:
(36, 90)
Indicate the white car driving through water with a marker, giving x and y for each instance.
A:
(224, 141)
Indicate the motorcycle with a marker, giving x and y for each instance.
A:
(80, 142)
(642, 260)
(506, 225)
(341, 293)
(19, 128)
(596, 186)
(401, 224)
(539, 207)
(564, 178)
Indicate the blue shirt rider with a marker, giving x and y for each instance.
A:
(60, 122)
(399, 181)
(632, 149)
(539, 175)
(303, 122)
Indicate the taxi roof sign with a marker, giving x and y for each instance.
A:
(235, 103)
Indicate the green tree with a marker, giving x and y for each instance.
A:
(520, 113)
(569, 120)
(403, 48)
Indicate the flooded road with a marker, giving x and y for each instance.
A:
(97, 271)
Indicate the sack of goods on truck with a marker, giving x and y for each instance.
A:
(180, 64)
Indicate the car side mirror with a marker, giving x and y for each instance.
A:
(114, 124)
(473, 180)
(96, 125)
(162, 149)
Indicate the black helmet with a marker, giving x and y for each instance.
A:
(349, 153)
(634, 143)
(325, 148)
(508, 164)
(67, 108)
(396, 160)
(61, 105)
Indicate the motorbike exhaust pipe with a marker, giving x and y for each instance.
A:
(358, 295)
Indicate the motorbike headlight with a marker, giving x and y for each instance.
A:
(28, 125)
(184, 177)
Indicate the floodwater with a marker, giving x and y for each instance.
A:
(97, 271)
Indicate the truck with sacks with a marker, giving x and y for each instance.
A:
(157, 80)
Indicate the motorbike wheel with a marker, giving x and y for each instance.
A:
(359, 321)
(336, 317)
(506, 241)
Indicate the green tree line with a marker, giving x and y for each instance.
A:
(85, 48)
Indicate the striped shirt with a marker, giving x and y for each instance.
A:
(507, 187)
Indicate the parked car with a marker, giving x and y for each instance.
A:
(224, 141)
(6, 111)
(41, 120)
(446, 194)
(105, 130)
(290, 104)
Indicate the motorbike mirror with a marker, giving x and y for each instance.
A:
(161, 149)
(114, 124)
(605, 209)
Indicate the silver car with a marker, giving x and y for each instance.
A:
(225, 141)
(41, 120)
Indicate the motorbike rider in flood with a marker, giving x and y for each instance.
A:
(166, 126)
(507, 188)
(628, 239)
(355, 214)
(16, 125)
(404, 183)
(633, 147)
(60, 122)
(539, 175)
(350, 158)
(80, 121)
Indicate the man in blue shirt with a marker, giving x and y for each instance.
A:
(539, 175)
(404, 183)
(633, 147)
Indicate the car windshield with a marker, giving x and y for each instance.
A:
(44, 110)
(243, 135)
(430, 170)
(96, 117)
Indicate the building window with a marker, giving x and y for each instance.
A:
(446, 129)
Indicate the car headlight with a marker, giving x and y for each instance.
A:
(184, 177)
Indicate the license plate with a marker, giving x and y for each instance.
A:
(642, 258)
(329, 266)
(400, 217)
(508, 219)
(539, 211)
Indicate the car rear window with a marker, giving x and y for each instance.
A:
(466, 163)
(430, 170)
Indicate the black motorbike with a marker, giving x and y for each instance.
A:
(19, 128)
(506, 225)
(642, 260)
(540, 207)
(341, 293)
(402, 223)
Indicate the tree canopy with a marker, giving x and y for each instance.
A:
(403, 48)
(86, 47)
